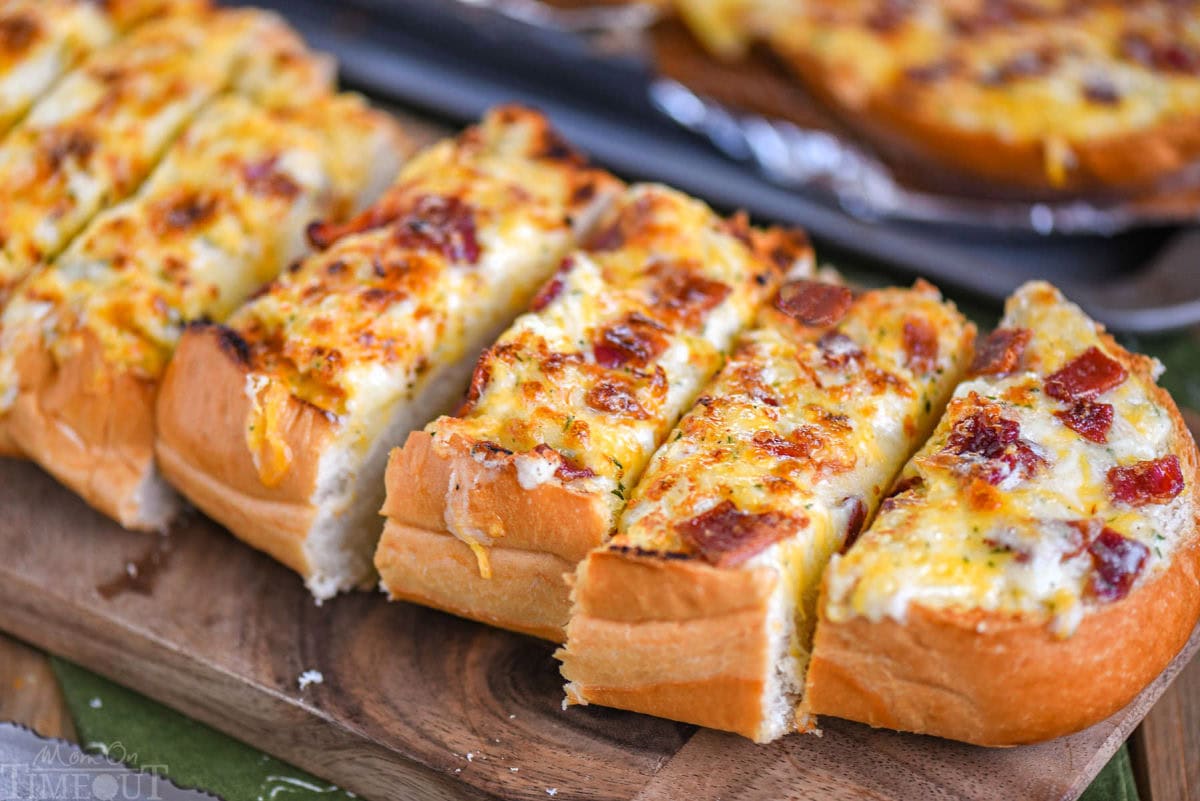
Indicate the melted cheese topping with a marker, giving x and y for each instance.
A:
(848, 392)
(356, 328)
(861, 420)
(97, 135)
(39, 41)
(1054, 72)
(955, 540)
(546, 381)
(223, 213)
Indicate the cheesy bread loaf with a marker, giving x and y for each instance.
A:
(278, 424)
(84, 341)
(701, 608)
(1048, 97)
(1037, 563)
(487, 510)
(41, 39)
(95, 137)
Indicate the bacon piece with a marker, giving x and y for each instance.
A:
(181, 213)
(997, 440)
(442, 224)
(889, 15)
(856, 521)
(479, 381)
(17, 32)
(1082, 532)
(439, 223)
(568, 469)
(920, 344)
(546, 295)
(626, 226)
(751, 380)
(1116, 563)
(803, 442)
(58, 145)
(1167, 56)
(686, 295)
(814, 303)
(1088, 419)
(1000, 353)
(984, 433)
(1087, 375)
(265, 178)
(552, 288)
(1153, 481)
(615, 397)
(896, 496)
(635, 339)
(725, 536)
(838, 350)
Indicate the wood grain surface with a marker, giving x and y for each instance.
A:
(415, 703)
(1166, 747)
(29, 691)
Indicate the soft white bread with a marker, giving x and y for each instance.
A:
(701, 608)
(86, 340)
(1039, 563)
(487, 511)
(279, 425)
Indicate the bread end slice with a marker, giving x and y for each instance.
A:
(992, 680)
(726, 634)
(92, 426)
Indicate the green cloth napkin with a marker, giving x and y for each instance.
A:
(145, 734)
(114, 720)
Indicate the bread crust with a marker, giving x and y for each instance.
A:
(8, 445)
(89, 424)
(998, 679)
(994, 680)
(527, 592)
(540, 534)
(634, 613)
(211, 464)
(550, 518)
(1116, 165)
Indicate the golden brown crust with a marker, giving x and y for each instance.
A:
(8, 445)
(89, 424)
(995, 679)
(633, 614)
(549, 518)
(1136, 161)
(202, 411)
(991, 680)
(527, 592)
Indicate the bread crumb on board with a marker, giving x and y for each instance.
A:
(310, 677)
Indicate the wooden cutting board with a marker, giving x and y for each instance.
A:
(418, 704)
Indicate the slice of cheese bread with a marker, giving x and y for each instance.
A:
(702, 607)
(1043, 97)
(1037, 563)
(96, 136)
(487, 510)
(278, 425)
(101, 130)
(84, 341)
(40, 40)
